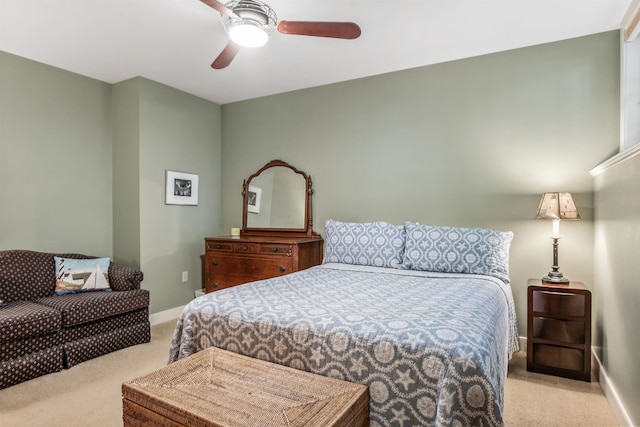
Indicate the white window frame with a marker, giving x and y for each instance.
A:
(630, 86)
(629, 90)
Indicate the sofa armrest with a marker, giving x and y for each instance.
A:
(123, 278)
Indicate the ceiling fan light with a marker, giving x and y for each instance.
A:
(251, 22)
(248, 35)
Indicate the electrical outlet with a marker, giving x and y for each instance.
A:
(185, 276)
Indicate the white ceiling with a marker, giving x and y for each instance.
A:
(174, 41)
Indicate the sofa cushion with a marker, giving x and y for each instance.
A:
(23, 319)
(28, 275)
(81, 275)
(90, 306)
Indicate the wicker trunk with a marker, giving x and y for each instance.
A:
(219, 388)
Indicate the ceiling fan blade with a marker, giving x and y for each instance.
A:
(338, 30)
(224, 10)
(226, 56)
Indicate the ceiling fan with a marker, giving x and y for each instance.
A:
(250, 23)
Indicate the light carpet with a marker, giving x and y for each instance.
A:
(89, 394)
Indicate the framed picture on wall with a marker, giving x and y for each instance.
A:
(181, 188)
(253, 199)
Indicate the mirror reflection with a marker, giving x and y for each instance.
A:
(276, 199)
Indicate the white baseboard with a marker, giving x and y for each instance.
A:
(166, 315)
(523, 344)
(611, 394)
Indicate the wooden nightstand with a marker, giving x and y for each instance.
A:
(559, 329)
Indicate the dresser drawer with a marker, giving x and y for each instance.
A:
(220, 246)
(246, 248)
(276, 249)
(215, 283)
(253, 268)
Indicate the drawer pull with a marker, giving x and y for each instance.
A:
(218, 246)
(282, 269)
(275, 249)
(214, 263)
(244, 248)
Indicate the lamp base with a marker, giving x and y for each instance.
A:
(555, 278)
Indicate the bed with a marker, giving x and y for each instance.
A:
(432, 346)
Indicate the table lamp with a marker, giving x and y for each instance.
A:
(556, 206)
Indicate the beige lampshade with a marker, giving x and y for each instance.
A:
(557, 206)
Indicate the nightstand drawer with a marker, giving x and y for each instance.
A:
(566, 331)
(558, 357)
(559, 304)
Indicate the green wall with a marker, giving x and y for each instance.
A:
(82, 169)
(616, 293)
(157, 128)
(55, 159)
(468, 143)
(126, 180)
(178, 132)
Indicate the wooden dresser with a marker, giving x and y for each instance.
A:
(233, 260)
(277, 236)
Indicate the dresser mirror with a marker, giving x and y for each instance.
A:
(277, 198)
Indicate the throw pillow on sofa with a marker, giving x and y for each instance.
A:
(81, 275)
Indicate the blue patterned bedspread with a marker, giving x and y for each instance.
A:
(432, 347)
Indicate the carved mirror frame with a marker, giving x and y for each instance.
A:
(306, 230)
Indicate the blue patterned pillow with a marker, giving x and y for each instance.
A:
(377, 244)
(458, 250)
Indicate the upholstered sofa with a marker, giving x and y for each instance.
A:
(42, 333)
